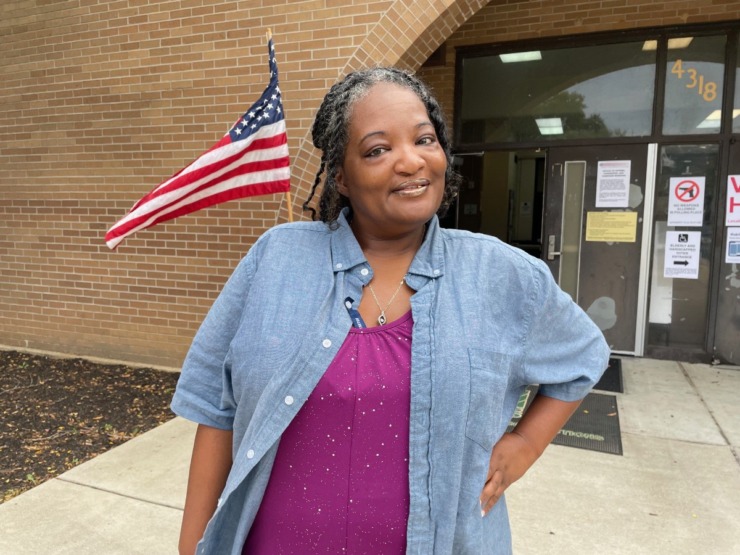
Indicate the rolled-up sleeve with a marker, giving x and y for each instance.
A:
(204, 392)
(565, 352)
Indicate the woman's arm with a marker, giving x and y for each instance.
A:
(209, 468)
(516, 451)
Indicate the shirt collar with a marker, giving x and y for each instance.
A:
(346, 252)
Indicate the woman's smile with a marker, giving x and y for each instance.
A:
(412, 189)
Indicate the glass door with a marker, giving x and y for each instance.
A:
(593, 233)
(727, 325)
(683, 229)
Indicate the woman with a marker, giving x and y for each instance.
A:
(354, 380)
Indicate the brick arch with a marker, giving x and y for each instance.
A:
(405, 36)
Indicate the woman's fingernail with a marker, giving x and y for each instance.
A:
(482, 513)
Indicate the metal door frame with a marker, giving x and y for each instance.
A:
(651, 174)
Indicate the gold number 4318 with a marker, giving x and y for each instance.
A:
(706, 89)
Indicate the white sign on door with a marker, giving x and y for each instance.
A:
(732, 215)
(686, 201)
(682, 254)
(732, 254)
(613, 184)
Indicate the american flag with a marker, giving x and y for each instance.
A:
(251, 159)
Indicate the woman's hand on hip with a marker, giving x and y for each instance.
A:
(516, 451)
(510, 459)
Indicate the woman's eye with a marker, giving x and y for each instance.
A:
(426, 140)
(375, 152)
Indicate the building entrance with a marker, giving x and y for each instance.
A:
(544, 201)
(593, 233)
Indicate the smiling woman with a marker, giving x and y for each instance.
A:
(394, 168)
(354, 380)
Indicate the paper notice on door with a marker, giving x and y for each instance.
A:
(732, 254)
(611, 227)
(732, 214)
(686, 201)
(682, 254)
(613, 184)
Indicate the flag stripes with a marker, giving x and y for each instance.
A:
(251, 159)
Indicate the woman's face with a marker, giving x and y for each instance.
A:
(394, 167)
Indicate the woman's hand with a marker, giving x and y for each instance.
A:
(515, 452)
(510, 459)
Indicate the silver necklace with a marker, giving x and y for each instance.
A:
(382, 319)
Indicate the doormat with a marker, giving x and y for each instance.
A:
(612, 378)
(594, 425)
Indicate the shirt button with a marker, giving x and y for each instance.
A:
(326, 343)
(289, 400)
(250, 454)
(338, 266)
(364, 271)
(436, 272)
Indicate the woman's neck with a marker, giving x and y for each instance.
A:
(384, 247)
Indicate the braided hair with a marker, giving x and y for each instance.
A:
(330, 132)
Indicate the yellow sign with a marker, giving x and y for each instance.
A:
(612, 227)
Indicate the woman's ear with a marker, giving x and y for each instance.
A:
(341, 185)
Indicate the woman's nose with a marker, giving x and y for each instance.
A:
(409, 160)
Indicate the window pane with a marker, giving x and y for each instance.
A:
(736, 111)
(693, 90)
(570, 248)
(679, 306)
(569, 93)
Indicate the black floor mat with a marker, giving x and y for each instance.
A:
(612, 378)
(594, 426)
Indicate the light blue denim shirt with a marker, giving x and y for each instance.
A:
(488, 320)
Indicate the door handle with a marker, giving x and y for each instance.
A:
(551, 252)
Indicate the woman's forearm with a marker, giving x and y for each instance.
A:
(209, 468)
(542, 421)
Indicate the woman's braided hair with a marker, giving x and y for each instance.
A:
(330, 132)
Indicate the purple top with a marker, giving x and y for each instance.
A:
(340, 479)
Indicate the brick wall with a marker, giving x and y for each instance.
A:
(100, 101)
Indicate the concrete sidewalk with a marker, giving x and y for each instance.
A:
(676, 490)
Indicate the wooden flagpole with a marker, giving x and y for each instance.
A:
(287, 193)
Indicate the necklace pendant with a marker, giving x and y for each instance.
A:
(381, 319)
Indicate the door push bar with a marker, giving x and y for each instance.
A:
(551, 252)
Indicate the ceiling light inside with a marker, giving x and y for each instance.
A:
(713, 120)
(550, 126)
(678, 42)
(521, 56)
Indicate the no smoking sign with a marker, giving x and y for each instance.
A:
(686, 201)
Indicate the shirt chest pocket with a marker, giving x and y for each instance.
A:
(489, 377)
